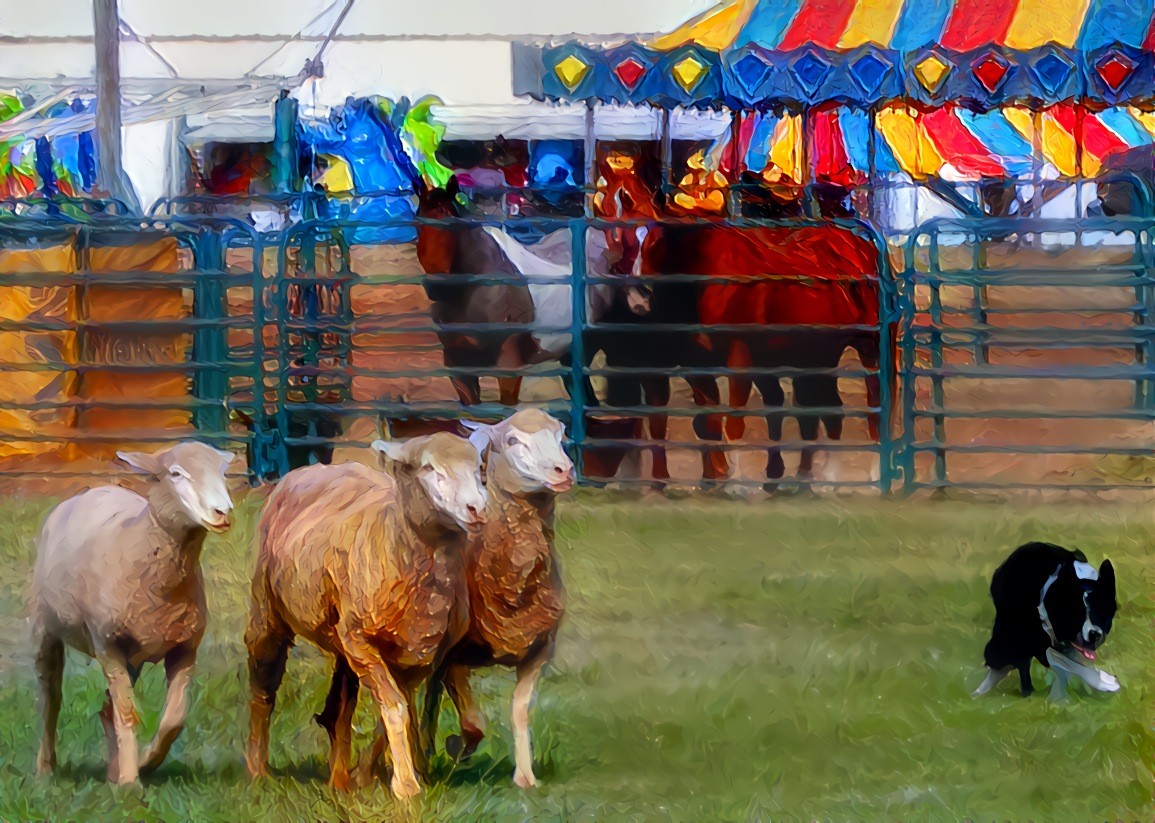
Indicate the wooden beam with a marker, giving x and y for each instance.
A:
(110, 176)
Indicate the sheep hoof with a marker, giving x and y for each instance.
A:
(524, 780)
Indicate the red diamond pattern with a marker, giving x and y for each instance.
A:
(990, 72)
(1115, 70)
(630, 71)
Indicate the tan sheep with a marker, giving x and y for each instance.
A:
(363, 564)
(118, 577)
(516, 597)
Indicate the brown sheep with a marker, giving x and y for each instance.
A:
(516, 597)
(363, 564)
(118, 577)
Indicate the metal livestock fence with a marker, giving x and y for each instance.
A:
(1007, 341)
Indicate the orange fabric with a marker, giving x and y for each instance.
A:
(24, 304)
(132, 347)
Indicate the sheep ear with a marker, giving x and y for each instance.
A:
(142, 462)
(482, 439)
(392, 449)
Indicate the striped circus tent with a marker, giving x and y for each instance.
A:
(950, 141)
(962, 89)
(958, 25)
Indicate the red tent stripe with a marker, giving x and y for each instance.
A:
(821, 22)
(1098, 139)
(958, 146)
(975, 23)
(831, 161)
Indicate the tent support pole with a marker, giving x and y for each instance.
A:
(667, 149)
(590, 152)
(110, 176)
(285, 144)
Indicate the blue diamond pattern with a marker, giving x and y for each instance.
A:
(1052, 71)
(751, 71)
(868, 72)
(811, 70)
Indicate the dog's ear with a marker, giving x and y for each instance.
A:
(1107, 577)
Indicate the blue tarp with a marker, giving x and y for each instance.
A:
(358, 134)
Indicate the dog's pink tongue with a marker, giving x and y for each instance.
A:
(1087, 654)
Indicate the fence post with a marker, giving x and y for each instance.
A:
(887, 316)
(906, 367)
(210, 340)
(577, 344)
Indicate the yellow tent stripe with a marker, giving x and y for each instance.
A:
(1059, 149)
(786, 146)
(1022, 120)
(1041, 21)
(872, 21)
(912, 146)
(1146, 118)
(715, 29)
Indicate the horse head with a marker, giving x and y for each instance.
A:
(440, 203)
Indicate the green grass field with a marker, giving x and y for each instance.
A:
(795, 659)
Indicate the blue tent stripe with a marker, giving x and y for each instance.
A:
(768, 23)
(1108, 21)
(996, 133)
(1126, 126)
(856, 134)
(921, 22)
(758, 152)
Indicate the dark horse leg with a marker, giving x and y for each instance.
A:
(869, 355)
(708, 427)
(603, 462)
(773, 399)
(656, 391)
(816, 391)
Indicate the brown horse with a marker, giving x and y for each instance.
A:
(454, 257)
(816, 285)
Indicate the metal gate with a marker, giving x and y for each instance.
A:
(120, 331)
(357, 355)
(1026, 354)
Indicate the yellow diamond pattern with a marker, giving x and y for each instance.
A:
(571, 70)
(931, 72)
(688, 71)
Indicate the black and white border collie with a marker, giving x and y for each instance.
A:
(1055, 607)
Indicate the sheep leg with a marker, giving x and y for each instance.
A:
(367, 664)
(337, 720)
(178, 669)
(122, 760)
(50, 672)
(268, 644)
(110, 737)
(420, 749)
(459, 747)
(528, 673)
(371, 762)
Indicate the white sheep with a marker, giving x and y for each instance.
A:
(118, 578)
(366, 565)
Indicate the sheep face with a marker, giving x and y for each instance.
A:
(530, 443)
(191, 478)
(447, 469)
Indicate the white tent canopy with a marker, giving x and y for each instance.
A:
(211, 70)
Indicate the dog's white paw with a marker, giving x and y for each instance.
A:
(1108, 682)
